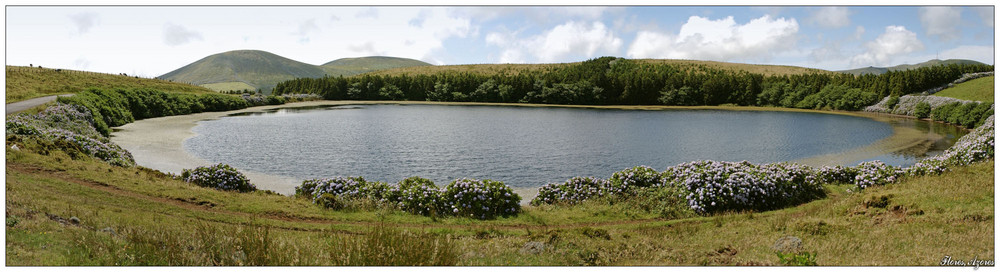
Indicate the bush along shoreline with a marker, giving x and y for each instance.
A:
(80, 125)
(965, 113)
(713, 186)
(479, 199)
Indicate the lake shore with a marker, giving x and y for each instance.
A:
(158, 143)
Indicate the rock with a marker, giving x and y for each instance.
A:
(788, 244)
(15, 148)
(74, 220)
(533, 248)
(109, 230)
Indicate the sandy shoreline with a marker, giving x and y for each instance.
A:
(157, 143)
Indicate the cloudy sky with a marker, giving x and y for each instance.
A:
(151, 41)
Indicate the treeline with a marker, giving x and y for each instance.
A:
(968, 115)
(111, 108)
(617, 81)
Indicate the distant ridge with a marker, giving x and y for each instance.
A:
(354, 66)
(883, 70)
(261, 70)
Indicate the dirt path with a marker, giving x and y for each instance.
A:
(322, 224)
(16, 107)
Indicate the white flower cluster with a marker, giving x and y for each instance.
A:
(219, 176)
(483, 199)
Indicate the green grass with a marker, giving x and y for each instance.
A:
(159, 220)
(229, 86)
(30, 82)
(980, 89)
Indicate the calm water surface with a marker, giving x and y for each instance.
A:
(522, 146)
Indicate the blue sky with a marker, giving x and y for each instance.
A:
(151, 41)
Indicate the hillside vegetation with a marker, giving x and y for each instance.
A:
(253, 67)
(66, 211)
(260, 70)
(904, 67)
(354, 66)
(29, 82)
(980, 89)
(618, 81)
(516, 69)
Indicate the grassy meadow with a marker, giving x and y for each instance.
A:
(980, 89)
(30, 82)
(135, 216)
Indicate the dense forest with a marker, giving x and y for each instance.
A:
(618, 81)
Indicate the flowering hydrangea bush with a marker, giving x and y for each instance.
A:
(483, 199)
(347, 187)
(106, 151)
(836, 174)
(419, 196)
(716, 186)
(973, 147)
(572, 191)
(219, 176)
(71, 128)
(629, 179)
(876, 173)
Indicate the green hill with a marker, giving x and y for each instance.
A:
(259, 69)
(882, 70)
(30, 82)
(354, 66)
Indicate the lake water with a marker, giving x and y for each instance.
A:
(524, 146)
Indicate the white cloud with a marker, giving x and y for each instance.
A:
(942, 22)
(537, 15)
(304, 29)
(894, 42)
(982, 54)
(306, 26)
(83, 21)
(174, 35)
(367, 13)
(859, 32)
(561, 43)
(832, 17)
(723, 40)
(986, 13)
(81, 63)
(829, 51)
(419, 20)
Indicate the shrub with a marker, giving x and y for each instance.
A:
(349, 187)
(718, 186)
(891, 103)
(922, 110)
(836, 174)
(418, 196)
(572, 191)
(71, 129)
(219, 176)
(483, 199)
(876, 173)
(623, 181)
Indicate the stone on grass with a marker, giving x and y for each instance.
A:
(533, 248)
(788, 244)
(74, 220)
